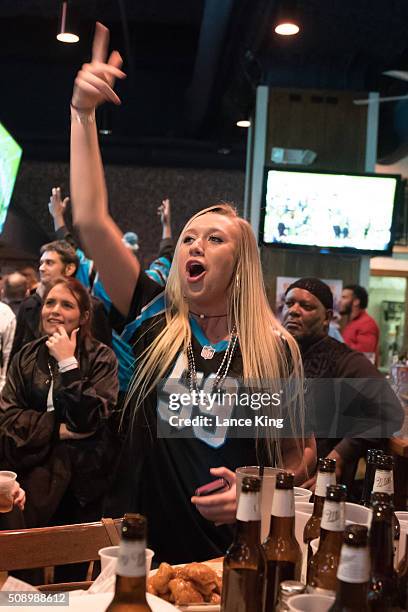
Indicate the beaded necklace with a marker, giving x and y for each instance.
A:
(222, 370)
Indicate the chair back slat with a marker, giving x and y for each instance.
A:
(53, 546)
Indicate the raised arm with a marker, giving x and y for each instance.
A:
(119, 269)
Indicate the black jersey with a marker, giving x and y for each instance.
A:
(163, 472)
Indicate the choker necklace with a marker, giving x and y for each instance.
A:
(204, 316)
(222, 370)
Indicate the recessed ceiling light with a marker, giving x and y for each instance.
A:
(244, 123)
(287, 29)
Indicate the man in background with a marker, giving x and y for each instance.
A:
(361, 332)
(354, 404)
(15, 290)
(58, 258)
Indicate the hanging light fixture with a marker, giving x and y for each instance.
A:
(287, 22)
(66, 31)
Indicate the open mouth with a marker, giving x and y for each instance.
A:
(195, 271)
(55, 321)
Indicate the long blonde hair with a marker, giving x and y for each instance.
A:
(269, 352)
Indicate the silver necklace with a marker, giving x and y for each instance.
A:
(222, 370)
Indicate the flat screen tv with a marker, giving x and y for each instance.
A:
(329, 211)
(10, 156)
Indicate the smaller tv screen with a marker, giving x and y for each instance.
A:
(10, 156)
(333, 211)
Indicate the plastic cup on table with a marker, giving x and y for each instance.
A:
(302, 494)
(309, 602)
(109, 554)
(267, 491)
(7, 485)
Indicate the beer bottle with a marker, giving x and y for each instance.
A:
(130, 588)
(353, 573)
(323, 565)
(402, 577)
(382, 587)
(282, 551)
(384, 483)
(325, 476)
(244, 561)
(371, 466)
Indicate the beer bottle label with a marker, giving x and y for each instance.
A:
(132, 559)
(323, 480)
(248, 507)
(354, 566)
(333, 517)
(283, 503)
(383, 482)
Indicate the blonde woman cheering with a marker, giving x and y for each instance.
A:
(210, 330)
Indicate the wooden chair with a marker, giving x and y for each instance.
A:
(47, 547)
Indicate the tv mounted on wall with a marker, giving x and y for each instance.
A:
(329, 211)
(10, 156)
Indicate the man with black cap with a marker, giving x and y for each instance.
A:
(355, 399)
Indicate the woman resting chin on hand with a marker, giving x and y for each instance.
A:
(59, 393)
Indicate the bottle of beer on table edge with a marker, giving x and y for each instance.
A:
(323, 565)
(326, 475)
(353, 573)
(282, 551)
(382, 588)
(384, 484)
(130, 587)
(244, 562)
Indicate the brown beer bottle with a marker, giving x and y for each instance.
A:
(353, 573)
(282, 551)
(371, 465)
(130, 588)
(326, 476)
(323, 565)
(244, 561)
(382, 588)
(384, 484)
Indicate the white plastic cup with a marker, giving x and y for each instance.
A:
(309, 602)
(109, 554)
(7, 485)
(403, 519)
(302, 494)
(358, 514)
(267, 491)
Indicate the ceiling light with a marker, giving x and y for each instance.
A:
(287, 22)
(244, 123)
(66, 32)
(287, 29)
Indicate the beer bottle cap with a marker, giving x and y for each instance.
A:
(326, 465)
(356, 535)
(284, 480)
(134, 527)
(337, 492)
(251, 485)
(385, 462)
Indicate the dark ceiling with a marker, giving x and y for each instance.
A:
(193, 66)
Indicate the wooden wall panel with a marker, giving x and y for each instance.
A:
(326, 122)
